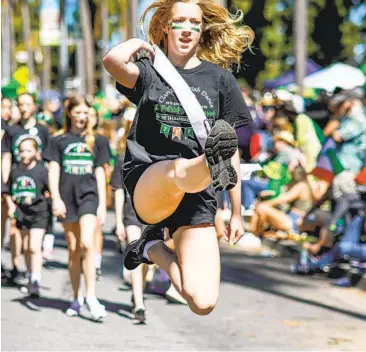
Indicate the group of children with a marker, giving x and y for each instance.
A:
(63, 175)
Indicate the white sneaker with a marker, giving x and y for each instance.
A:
(96, 309)
(173, 296)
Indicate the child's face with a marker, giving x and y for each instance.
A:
(6, 109)
(79, 116)
(184, 28)
(26, 106)
(27, 152)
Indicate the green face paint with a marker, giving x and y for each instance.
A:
(175, 26)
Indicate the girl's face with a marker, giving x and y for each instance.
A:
(93, 118)
(27, 107)
(6, 109)
(79, 116)
(27, 152)
(184, 29)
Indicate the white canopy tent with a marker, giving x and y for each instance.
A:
(337, 75)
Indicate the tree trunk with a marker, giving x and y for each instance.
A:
(87, 31)
(105, 36)
(26, 37)
(300, 30)
(5, 43)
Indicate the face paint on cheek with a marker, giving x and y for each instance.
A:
(177, 27)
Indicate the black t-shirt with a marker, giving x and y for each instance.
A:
(27, 188)
(103, 145)
(17, 133)
(117, 175)
(161, 126)
(76, 160)
(4, 129)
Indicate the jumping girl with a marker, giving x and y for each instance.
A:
(168, 175)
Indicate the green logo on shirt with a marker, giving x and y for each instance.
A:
(77, 159)
(24, 190)
(174, 123)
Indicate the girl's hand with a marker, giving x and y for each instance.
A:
(236, 229)
(141, 46)
(59, 208)
(11, 210)
(101, 214)
(121, 231)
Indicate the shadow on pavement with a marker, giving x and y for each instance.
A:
(36, 304)
(236, 270)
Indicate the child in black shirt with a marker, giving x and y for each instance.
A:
(28, 185)
(27, 127)
(78, 192)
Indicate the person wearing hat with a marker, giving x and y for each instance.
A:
(285, 147)
(305, 129)
(351, 133)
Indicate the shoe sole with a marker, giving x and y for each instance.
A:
(221, 145)
(72, 313)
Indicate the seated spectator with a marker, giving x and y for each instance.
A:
(299, 196)
(351, 132)
(285, 154)
(348, 247)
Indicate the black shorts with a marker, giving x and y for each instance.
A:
(194, 209)
(32, 221)
(129, 214)
(80, 198)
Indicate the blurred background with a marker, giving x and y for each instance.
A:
(59, 44)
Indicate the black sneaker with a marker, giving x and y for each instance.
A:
(133, 254)
(139, 316)
(98, 274)
(221, 145)
(5, 274)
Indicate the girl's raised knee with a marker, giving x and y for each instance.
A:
(202, 306)
(200, 302)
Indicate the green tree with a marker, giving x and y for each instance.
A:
(332, 35)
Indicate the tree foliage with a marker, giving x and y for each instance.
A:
(332, 36)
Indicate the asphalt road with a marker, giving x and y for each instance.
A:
(261, 307)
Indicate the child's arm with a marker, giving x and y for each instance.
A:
(11, 206)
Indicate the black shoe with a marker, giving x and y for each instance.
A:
(5, 274)
(98, 274)
(133, 254)
(221, 145)
(139, 316)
